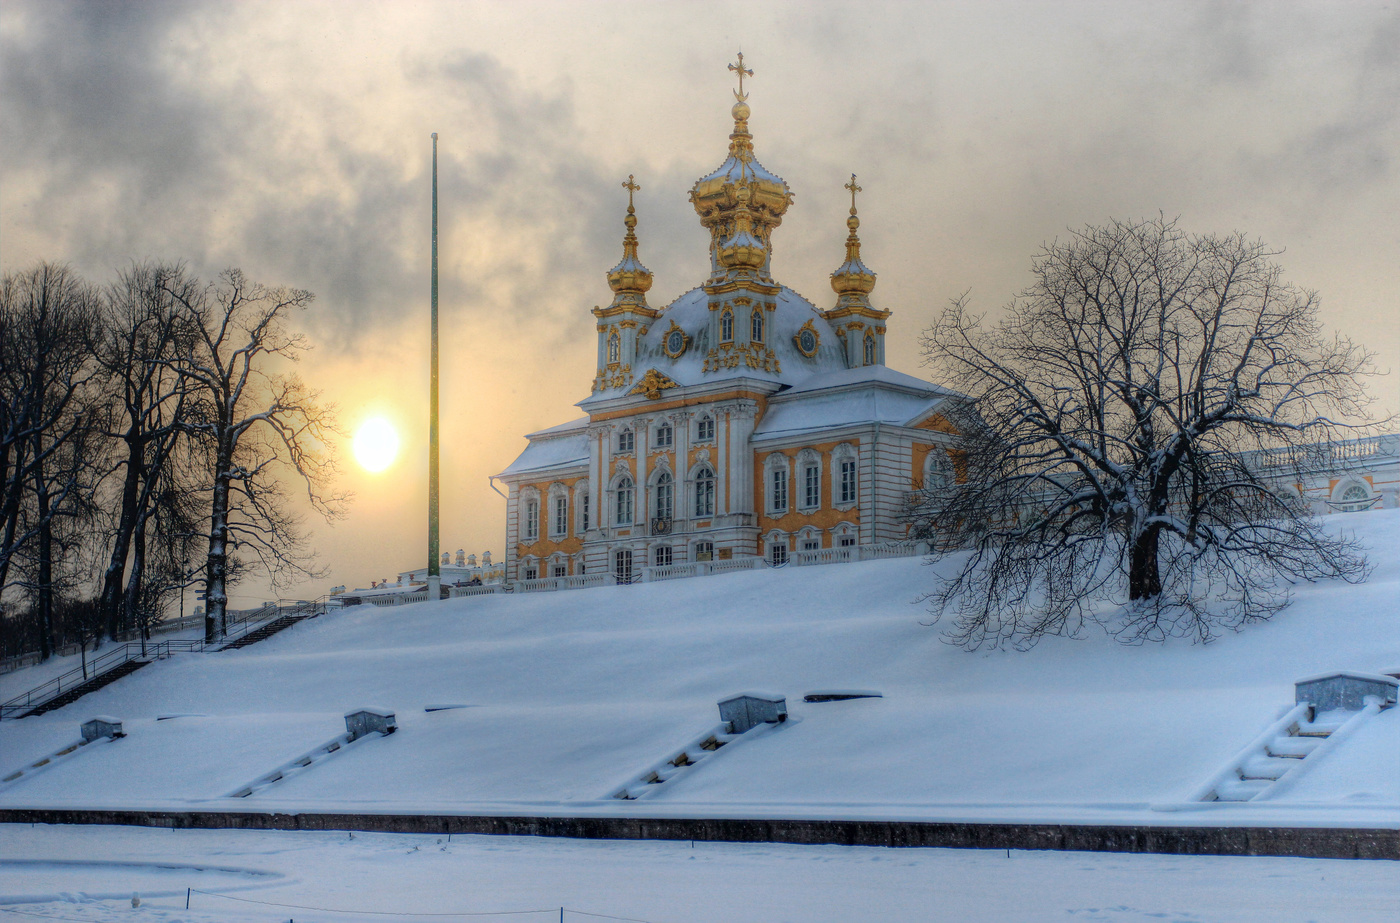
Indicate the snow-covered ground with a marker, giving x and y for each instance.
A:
(568, 696)
(89, 874)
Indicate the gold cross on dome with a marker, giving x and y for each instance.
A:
(741, 70)
(854, 189)
(631, 187)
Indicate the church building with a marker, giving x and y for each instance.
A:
(739, 420)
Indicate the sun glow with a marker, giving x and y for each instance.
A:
(376, 444)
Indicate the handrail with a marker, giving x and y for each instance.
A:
(155, 650)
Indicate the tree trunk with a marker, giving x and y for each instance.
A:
(1144, 578)
(110, 603)
(216, 573)
(45, 558)
(132, 598)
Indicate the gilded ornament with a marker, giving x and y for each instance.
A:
(807, 339)
(652, 384)
(675, 342)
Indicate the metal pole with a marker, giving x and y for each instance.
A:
(434, 568)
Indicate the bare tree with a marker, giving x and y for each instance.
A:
(1104, 472)
(47, 425)
(254, 425)
(146, 334)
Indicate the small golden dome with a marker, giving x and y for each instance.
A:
(630, 277)
(853, 277)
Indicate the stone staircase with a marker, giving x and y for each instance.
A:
(264, 632)
(739, 715)
(92, 685)
(1328, 709)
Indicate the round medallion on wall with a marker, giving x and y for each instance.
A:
(675, 342)
(807, 340)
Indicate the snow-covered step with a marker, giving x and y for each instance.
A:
(1292, 748)
(1240, 789)
(1262, 766)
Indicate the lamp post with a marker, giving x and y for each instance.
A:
(434, 568)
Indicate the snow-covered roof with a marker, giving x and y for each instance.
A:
(557, 447)
(872, 394)
(691, 313)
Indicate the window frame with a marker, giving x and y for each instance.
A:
(704, 481)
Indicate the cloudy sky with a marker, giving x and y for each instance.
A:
(291, 139)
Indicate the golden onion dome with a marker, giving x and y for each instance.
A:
(742, 249)
(853, 277)
(629, 277)
(718, 192)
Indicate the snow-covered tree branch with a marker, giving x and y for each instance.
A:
(1105, 473)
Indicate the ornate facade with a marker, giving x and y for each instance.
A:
(739, 420)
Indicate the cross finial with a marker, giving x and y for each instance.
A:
(854, 189)
(631, 187)
(742, 71)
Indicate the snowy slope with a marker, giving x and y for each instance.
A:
(572, 694)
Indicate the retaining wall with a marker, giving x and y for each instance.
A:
(1307, 842)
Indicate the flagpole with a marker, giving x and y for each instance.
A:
(434, 568)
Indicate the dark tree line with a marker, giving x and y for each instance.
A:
(144, 432)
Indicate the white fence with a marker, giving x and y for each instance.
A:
(653, 574)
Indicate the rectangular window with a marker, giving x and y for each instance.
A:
(622, 566)
(532, 520)
(664, 435)
(624, 441)
(583, 512)
(561, 570)
(531, 573)
(847, 541)
(777, 554)
(811, 545)
(561, 515)
(663, 555)
(811, 487)
(780, 491)
(705, 429)
(704, 551)
(848, 480)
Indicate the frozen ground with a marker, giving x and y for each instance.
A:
(89, 873)
(568, 696)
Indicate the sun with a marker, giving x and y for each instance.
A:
(376, 444)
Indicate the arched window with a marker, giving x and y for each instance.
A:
(869, 348)
(664, 497)
(581, 507)
(726, 326)
(809, 480)
(625, 492)
(776, 474)
(557, 511)
(938, 471)
(1354, 499)
(756, 325)
(704, 493)
(614, 348)
(844, 484)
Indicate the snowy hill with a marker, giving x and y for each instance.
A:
(569, 696)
